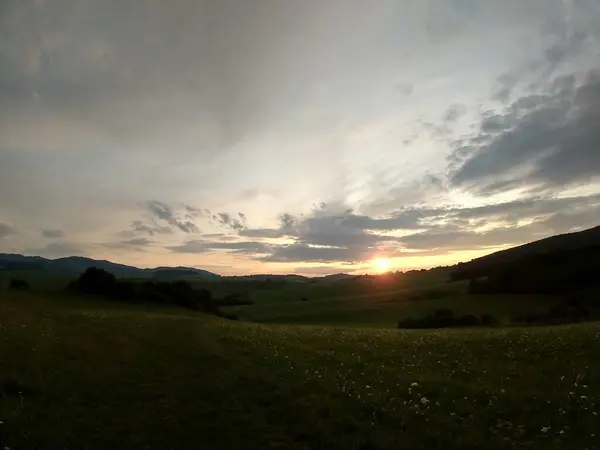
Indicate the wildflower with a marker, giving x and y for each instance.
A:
(545, 429)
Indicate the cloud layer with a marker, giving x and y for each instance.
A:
(288, 136)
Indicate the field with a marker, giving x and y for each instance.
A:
(88, 374)
(379, 305)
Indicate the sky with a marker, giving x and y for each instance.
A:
(284, 136)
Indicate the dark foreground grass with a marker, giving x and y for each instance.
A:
(79, 378)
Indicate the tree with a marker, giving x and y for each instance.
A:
(96, 281)
(18, 285)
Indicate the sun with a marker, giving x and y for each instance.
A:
(381, 264)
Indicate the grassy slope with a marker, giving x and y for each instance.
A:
(96, 376)
(384, 306)
(380, 305)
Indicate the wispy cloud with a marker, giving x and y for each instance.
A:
(53, 233)
(6, 230)
(166, 214)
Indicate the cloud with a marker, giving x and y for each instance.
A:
(541, 141)
(136, 242)
(227, 220)
(151, 229)
(308, 253)
(347, 103)
(53, 234)
(332, 234)
(56, 250)
(262, 233)
(202, 246)
(454, 112)
(561, 48)
(165, 213)
(6, 230)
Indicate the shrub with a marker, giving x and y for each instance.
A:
(18, 285)
(488, 319)
(96, 281)
(468, 320)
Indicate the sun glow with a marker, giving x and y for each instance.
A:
(381, 264)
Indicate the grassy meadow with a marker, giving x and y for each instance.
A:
(380, 305)
(88, 374)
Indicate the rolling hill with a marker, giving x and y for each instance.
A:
(77, 264)
(572, 243)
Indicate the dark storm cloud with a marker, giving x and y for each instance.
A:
(6, 230)
(53, 234)
(548, 140)
(165, 213)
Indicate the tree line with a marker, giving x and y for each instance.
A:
(101, 283)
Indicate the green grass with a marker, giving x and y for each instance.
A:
(383, 309)
(92, 375)
(40, 279)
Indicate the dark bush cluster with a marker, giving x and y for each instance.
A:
(18, 285)
(574, 308)
(445, 318)
(99, 282)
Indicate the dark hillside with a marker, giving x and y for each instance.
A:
(583, 244)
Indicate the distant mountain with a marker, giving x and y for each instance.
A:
(568, 242)
(337, 277)
(78, 264)
(292, 278)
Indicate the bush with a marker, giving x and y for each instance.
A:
(18, 285)
(96, 282)
(468, 321)
(99, 282)
(488, 320)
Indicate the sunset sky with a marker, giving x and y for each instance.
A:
(286, 136)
